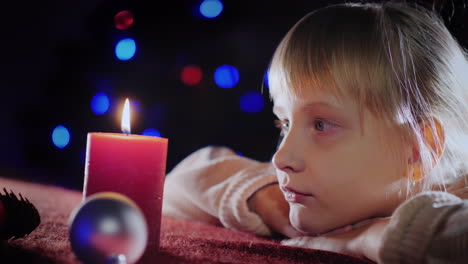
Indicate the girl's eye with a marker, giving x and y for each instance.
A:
(283, 126)
(322, 125)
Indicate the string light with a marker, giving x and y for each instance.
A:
(125, 49)
(60, 136)
(151, 132)
(191, 75)
(265, 80)
(211, 8)
(226, 76)
(100, 103)
(123, 20)
(251, 102)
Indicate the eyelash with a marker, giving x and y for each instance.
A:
(283, 125)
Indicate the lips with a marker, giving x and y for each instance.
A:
(294, 196)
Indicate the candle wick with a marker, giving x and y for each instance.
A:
(126, 131)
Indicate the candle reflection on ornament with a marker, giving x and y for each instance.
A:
(132, 165)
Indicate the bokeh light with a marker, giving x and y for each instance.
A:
(265, 80)
(191, 75)
(251, 102)
(125, 49)
(123, 20)
(151, 132)
(211, 8)
(60, 136)
(226, 76)
(100, 103)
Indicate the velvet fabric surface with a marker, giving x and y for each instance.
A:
(181, 241)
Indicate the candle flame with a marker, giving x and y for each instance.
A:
(126, 117)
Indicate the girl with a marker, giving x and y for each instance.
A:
(371, 101)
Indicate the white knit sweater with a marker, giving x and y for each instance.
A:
(213, 185)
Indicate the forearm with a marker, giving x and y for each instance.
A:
(369, 244)
(416, 225)
(213, 185)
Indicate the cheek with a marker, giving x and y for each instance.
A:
(337, 165)
(361, 170)
(369, 157)
(368, 176)
(384, 163)
(368, 168)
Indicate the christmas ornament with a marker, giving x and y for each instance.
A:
(108, 228)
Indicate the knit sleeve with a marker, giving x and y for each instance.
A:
(416, 225)
(213, 185)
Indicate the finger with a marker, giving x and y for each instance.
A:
(291, 232)
(295, 242)
(314, 243)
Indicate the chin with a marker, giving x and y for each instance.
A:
(307, 222)
(301, 228)
(303, 221)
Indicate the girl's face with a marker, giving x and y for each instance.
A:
(335, 167)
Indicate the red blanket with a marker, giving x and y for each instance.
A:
(181, 241)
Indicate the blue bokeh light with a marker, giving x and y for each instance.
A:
(125, 49)
(151, 132)
(211, 8)
(100, 103)
(60, 136)
(265, 80)
(251, 102)
(226, 76)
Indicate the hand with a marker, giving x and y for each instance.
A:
(270, 205)
(362, 242)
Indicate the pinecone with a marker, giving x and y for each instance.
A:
(21, 216)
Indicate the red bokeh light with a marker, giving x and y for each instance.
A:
(123, 20)
(191, 75)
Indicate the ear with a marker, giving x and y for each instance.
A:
(434, 138)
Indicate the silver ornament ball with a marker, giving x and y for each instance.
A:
(108, 228)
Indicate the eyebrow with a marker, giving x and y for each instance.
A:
(311, 106)
(321, 105)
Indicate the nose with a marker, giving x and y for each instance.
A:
(289, 156)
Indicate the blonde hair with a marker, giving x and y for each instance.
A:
(399, 62)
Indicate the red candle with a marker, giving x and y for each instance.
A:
(132, 165)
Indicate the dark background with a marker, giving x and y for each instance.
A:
(56, 55)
